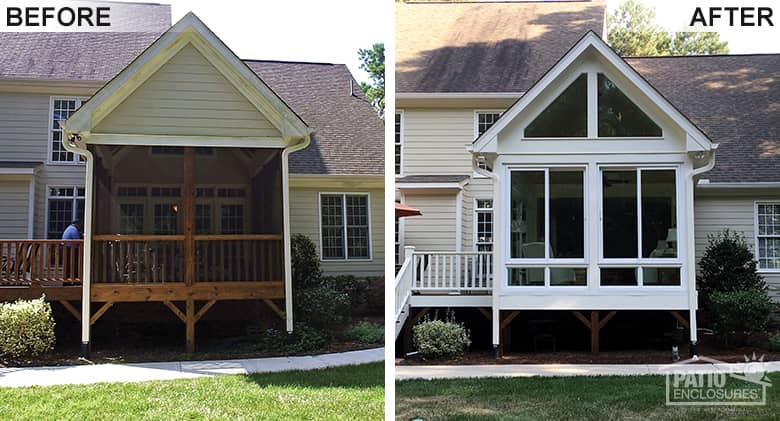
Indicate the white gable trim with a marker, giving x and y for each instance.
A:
(696, 140)
(188, 31)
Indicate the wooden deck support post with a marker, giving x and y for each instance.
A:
(595, 325)
(190, 325)
(189, 242)
(505, 336)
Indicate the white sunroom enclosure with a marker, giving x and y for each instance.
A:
(593, 174)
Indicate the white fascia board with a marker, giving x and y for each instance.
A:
(458, 95)
(429, 186)
(170, 140)
(706, 184)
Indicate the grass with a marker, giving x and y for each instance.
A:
(561, 398)
(354, 392)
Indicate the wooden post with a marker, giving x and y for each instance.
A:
(505, 336)
(594, 332)
(190, 326)
(189, 215)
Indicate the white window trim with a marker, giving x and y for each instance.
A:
(546, 262)
(475, 236)
(400, 142)
(49, 140)
(640, 263)
(346, 257)
(756, 235)
(74, 198)
(476, 130)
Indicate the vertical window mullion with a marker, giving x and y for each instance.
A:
(547, 214)
(639, 213)
(344, 222)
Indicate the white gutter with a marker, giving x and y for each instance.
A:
(73, 143)
(288, 303)
(456, 95)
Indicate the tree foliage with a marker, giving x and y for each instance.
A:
(727, 265)
(373, 62)
(632, 32)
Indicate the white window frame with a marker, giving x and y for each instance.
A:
(344, 195)
(640, 263)
(477, 211)
(399, 143)
(547, 262)
(476, 131)
(49, 134)
(74, 198)
(756, 235)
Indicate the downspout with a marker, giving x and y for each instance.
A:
(74, 143)
(288, 291)
(693, 295)
(497, 247)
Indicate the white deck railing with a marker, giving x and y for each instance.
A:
(404, 280)
(452, 271)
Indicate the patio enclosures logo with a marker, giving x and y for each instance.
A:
(717, 383)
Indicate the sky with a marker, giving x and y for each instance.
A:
(329, 31)
(742, 40)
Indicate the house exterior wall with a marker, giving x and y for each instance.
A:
(435, 230)
(305, 219)
(435, 141)
(187, 96)
(716, 211)
(15, 194)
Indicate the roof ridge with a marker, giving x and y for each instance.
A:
(292, 62)
(703, 55)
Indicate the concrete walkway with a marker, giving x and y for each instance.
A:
(99, 373)
(562, 370)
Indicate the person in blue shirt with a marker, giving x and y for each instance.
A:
(72, 232)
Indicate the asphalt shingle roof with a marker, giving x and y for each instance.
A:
(735, 100)
(486, 46)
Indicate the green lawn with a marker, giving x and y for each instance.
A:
(561, 398)
(353, 393)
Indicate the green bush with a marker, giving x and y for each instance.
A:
(727, 265)
(306, 340)
(356, 289)
(774, 342)
(367, 333)
(740, 311)
(306, 270)
(439, 338)
(26, 328)
(323, 307)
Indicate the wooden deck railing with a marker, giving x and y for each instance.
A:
(41, 262)
(160, 258)
(235, 258)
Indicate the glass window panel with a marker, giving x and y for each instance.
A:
(769, 252)
(568, 276)
(131, 218)
(357, 227)
(232, 219)
(618, 116)
(567, 223)
(202, 219)
(620, 218)
(332, 227)
(527, 214)
(398, 143)
(526, 276)
(659, 214)
(661, 276)
(618, 276)
(165, 219)
(485, 121)
(566, 116)
(60, 216)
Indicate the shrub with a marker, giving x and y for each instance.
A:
(26, 328)
(306, 340)
(727, 265)
(367, 333)
(356, 289)
(439, 338)
(323, 308)
(774, 342)
(740, 311)
(306, 270)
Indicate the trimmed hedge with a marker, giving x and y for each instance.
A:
(741, 311)
(440, 339)
(26, 328)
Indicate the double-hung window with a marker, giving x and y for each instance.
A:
(768, 236)
(483, 219)
(61, 110)
(639, 227)
(547, 227)
(64, 204)
(344, 226)
(483, 120)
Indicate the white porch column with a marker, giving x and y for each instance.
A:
(690, 250)
(500, 230)
(288, 303)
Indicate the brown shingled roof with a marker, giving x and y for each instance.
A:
(486, 46)
(735, 100)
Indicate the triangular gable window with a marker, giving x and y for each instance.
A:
(619, 116)
(566, 116)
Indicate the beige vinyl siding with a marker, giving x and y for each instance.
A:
(737, 213)
(304, 219)
(187, 96)
(435, 229)
(24, 120)
(435, 141)
(478, 188)
(15, 208)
